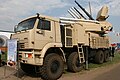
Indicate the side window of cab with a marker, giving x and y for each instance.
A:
(44, 25)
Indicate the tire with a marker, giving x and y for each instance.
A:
(29, 69)
(52, 68)
(106, 55)
(73, 63)
(99, 57)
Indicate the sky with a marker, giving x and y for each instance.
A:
(13, 11)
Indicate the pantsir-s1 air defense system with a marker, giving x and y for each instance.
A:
(47, 44)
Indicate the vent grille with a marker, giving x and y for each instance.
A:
(68, 41)
(23, 44)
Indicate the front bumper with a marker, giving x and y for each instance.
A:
(34, 60)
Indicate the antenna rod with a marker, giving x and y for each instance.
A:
(84, 10)
(90, 8)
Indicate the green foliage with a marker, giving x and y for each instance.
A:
(4, 57)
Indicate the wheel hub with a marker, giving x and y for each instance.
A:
(55, 66)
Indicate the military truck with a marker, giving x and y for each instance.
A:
(47, 44)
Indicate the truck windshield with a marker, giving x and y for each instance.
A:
(26, 25)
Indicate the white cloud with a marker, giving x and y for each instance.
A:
(114, 6)
(11, 11)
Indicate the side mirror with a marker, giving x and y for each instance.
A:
(15, 27)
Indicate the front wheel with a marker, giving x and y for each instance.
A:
(52, 68)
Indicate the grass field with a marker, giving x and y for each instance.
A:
(115, 59)
(92, 65)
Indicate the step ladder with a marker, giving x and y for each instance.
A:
(80, 53)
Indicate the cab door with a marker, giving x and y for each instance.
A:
(44, 33)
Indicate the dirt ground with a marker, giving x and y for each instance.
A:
(7, 73)
(94, 74)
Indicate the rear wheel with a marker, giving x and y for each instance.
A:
(106, 53)
(52, 68)
(99, 57)
(73, 63)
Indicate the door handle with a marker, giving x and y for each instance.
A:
(51, 37)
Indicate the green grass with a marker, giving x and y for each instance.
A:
(115, 59)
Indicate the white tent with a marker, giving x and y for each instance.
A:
(4, 36)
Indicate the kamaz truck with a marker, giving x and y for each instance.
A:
(47, 44)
